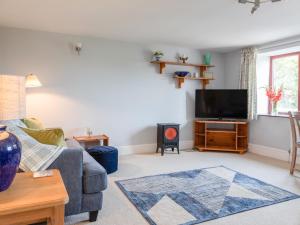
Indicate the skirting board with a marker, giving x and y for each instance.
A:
(271, 152)
(149, 148)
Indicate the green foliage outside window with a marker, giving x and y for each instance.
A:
(285, 73)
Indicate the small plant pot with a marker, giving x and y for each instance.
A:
(157, 58)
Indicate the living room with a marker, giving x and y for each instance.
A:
(91, 94)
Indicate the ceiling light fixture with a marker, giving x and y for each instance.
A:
(257, 3)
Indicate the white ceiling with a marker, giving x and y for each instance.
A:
(202, 24)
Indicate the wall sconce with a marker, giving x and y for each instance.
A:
(32, 81)
(78, 47)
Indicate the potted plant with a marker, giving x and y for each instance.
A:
(274, 97)
(158, 55)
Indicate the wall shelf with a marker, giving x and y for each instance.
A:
(215, 130)
(162, 65)
(203, 80)
(180, 80)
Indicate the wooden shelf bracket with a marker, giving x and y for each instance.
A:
(162, 66)
(204, 81)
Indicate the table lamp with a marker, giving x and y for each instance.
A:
(32, 81)
(12, 106)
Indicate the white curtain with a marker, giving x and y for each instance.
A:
(248, 79)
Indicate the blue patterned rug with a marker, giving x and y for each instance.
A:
(192, 197)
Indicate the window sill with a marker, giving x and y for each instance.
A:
(278, 115)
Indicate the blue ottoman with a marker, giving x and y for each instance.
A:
(107, 156)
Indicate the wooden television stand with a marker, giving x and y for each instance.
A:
(221, 135)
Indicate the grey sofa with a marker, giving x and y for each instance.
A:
(84, 178)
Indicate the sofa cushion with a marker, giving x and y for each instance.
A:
(33, 123)
(52, 136)
(94, 175)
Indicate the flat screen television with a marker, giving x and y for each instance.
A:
(221, 104)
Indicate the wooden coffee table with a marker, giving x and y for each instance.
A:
(32, 200)
(87, 141)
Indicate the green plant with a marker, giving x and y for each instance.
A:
(158, 53)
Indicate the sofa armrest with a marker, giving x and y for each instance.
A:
(70, 165)
(94, 175)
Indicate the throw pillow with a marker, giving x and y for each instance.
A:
(53, 136)
(33, 123)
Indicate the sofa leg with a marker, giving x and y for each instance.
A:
(93, 216)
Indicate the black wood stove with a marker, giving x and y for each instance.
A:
(167, 136)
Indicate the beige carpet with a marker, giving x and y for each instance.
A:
(117, 210)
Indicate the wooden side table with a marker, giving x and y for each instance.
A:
(33, 200)
(88, 141)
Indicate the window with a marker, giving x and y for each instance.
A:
(276, 69)
(284, 71)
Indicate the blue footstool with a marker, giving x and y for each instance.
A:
(107, 156)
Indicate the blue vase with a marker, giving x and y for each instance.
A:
(10, 156)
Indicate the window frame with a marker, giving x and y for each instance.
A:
(272, 58)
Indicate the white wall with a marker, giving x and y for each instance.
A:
(111, 87)
(232, 69)
(266, 131)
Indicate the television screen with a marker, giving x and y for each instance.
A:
(220, 104)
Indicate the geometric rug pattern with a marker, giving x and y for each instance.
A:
(195, 196)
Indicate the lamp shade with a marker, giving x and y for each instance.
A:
(32, 81)
(12, 97)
